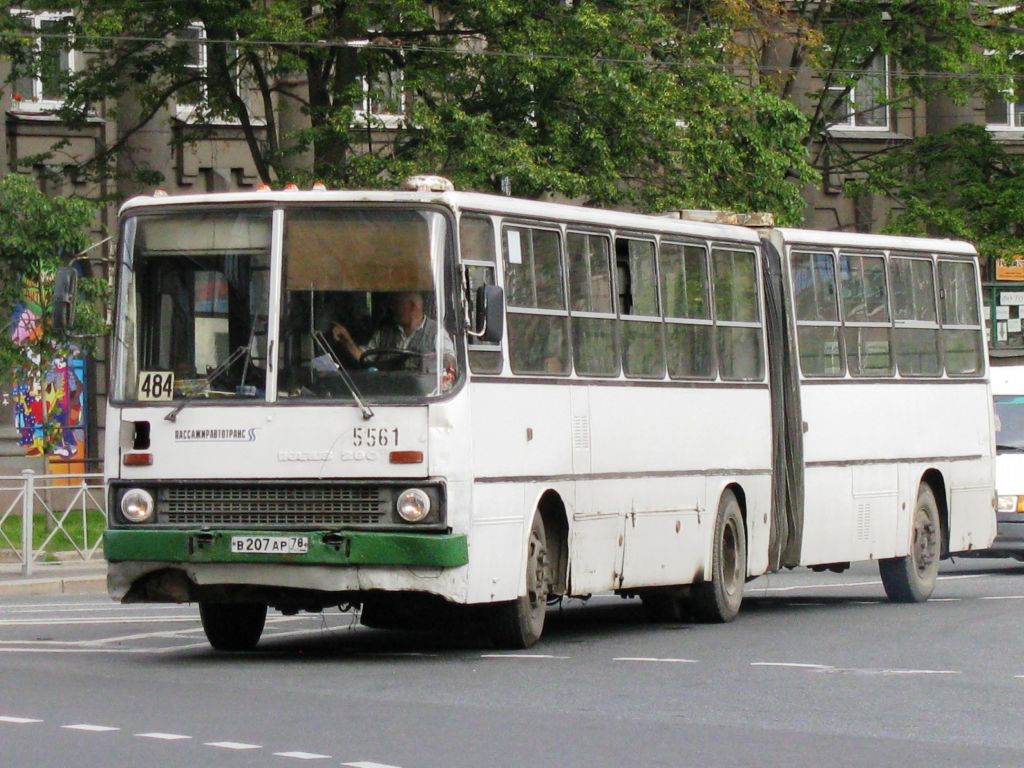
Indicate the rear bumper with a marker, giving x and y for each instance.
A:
(345, 548)
(1009, 536)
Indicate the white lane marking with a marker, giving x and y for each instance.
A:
(520, 656)
(80, 650)
(818, 586)
(90, 727)
(73, 620)
(365, 764)
(238, 745)
(896, 672)
(303, 755)
(839, 585)
(794, 664)
(163, 736)
(865, 602)
(943, 599)
(1002, 597)
(18, 720)
(651, 658)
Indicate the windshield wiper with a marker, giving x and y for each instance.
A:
(239, 353)
(1010, 448)
(234, 357)
(325, 349)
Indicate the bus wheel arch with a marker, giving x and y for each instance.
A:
(933, 479)
(519, 623)
(911, 578)
(553, 514)
(718, 598)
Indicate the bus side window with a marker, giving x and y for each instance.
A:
(737, 317)
(962, 342)
(594, 343)
(686, 300)
(643, 351)
(817, 313)
(476, 243)
(865, 304)
(916, 336)
(538, 337)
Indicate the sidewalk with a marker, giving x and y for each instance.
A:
(69, 578)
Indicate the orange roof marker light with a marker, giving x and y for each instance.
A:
(319, 186)
(291, 187)
(263, 187)
(428, 183)
(159, 193)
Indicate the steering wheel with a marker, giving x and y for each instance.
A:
(390, 359)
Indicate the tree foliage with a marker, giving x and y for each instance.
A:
(610, 103)
(38, 234)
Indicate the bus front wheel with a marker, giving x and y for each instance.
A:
(911, 579)
(719, 599)
(233, 626)
(518, 624)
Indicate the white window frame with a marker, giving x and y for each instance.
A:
(1014, 113)
(35, 101)
(850, 123)
(364, 115)
(186, 111)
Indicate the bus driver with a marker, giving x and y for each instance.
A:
(410, 330)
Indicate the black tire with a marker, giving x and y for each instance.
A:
(718, 601)
(233, 626)
(911, 579)
(518, 624)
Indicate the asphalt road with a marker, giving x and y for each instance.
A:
(818, 670)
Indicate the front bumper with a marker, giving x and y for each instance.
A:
(325, 548)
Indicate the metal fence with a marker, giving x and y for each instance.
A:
(50, 508)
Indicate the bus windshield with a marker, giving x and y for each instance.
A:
(1009, 423)
(360, 307)
(361, 315)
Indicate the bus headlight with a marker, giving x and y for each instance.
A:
(413, 505)
(137, 505)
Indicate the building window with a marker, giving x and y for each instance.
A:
(193, 95)
(52, 60)
(383, 101)
(1004, 113)
(863, 106)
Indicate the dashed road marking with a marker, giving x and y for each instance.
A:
(163, 736)
(90, 727)
(236, 745)
(1002, 597)
(520, 656)
(365, 764)
(18, 720)
(650, 658)
(303, 755)
(795, 664)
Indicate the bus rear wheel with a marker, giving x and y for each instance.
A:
(519, 624)
(911, 579)
(719, 599)
(233, 626)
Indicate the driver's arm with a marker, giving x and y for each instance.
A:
(341, 334)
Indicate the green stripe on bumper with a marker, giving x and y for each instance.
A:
(341, 548)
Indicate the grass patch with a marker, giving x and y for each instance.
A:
(73, 534)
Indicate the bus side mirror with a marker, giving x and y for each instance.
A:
(490, 313)
(65, 294)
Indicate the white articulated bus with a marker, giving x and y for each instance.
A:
(432, 398)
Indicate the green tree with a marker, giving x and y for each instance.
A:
(611, 103)
(38, 234)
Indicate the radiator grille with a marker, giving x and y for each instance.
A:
(259, 506)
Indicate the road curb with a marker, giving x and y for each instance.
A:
(65, 585)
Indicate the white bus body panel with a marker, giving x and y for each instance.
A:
(1008, 380)
(659, 459)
